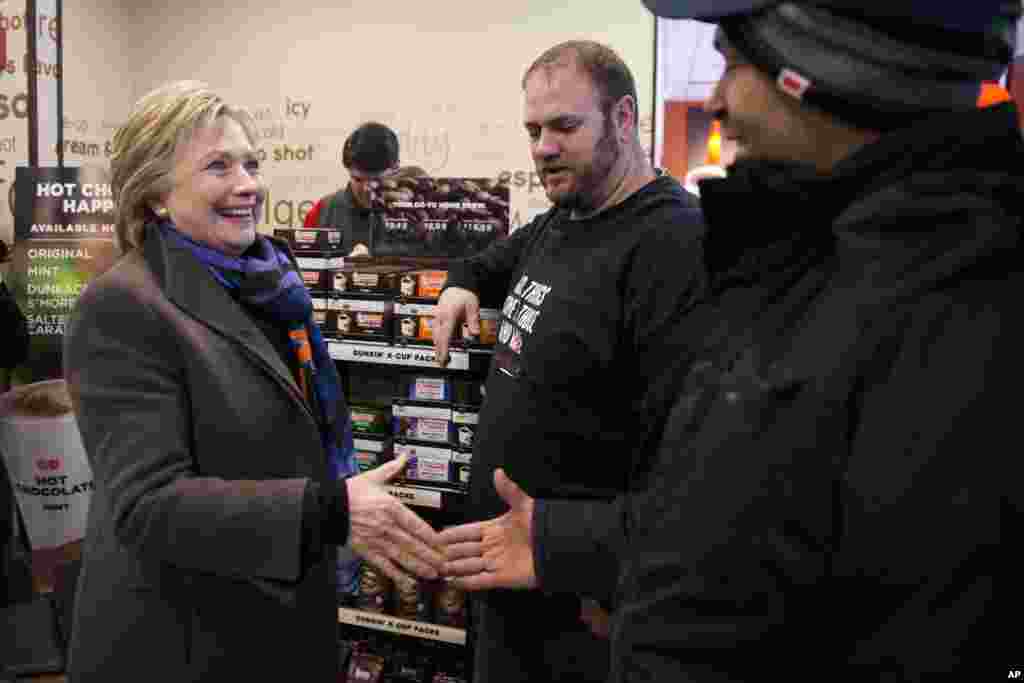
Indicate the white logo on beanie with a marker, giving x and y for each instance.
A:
(792, 83)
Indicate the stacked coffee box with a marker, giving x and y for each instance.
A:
(434, 422)
(429, 414)
(395, 304)
(359, 299)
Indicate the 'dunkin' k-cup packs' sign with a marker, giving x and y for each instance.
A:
(438, 217)
(64, 237)
(49, 472)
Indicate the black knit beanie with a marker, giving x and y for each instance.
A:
(871, 74)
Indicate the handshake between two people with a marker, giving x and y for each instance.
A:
(491, 554)
(495, 553)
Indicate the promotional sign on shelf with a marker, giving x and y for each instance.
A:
(64, 236)
(438, 217)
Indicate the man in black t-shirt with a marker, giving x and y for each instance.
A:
(587, 291)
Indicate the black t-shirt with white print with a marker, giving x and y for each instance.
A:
(584, 307)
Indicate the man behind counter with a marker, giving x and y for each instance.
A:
(370, 152)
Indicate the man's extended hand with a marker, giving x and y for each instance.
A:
(497, 553)
(387, 533)
(456, 305)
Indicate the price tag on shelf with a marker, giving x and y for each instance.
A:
(319, 263)
(412, 356)
(416, 496)
(415, 309)
(371, 445)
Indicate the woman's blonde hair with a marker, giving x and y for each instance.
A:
(144, 148)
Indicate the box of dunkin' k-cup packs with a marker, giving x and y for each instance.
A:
(464, 423)
(370, 419)
(421, 422)
(424, 386)
(422, 284)
(311, 241)
(371, 450)
(414, 322)
(317, 280)
(357, 278)
(360, 318)
(428, 464)
(321, 307)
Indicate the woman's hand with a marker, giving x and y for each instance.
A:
(385, 532)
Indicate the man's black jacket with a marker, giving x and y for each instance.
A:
(835, 478)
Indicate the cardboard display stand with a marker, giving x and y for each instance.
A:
(49, 472)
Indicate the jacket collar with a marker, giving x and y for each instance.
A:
(935, 201)
(979, 141)
(762, 216)
(187, 283)
(765, 213)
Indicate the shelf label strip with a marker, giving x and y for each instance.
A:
(413, 496)
(422, 357)
(404, 627)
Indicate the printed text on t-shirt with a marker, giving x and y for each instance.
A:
(521, 310)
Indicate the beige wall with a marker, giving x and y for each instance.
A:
(445, 75)
(99, 65)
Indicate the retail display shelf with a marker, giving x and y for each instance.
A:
(402, 627)
(409, 356)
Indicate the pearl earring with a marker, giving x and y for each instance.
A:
(162, 212)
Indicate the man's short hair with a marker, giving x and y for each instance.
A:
(372, 147)
(609, 74)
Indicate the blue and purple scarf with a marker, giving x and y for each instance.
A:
(268, 282)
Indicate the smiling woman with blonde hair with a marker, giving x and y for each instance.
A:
(215, 426)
